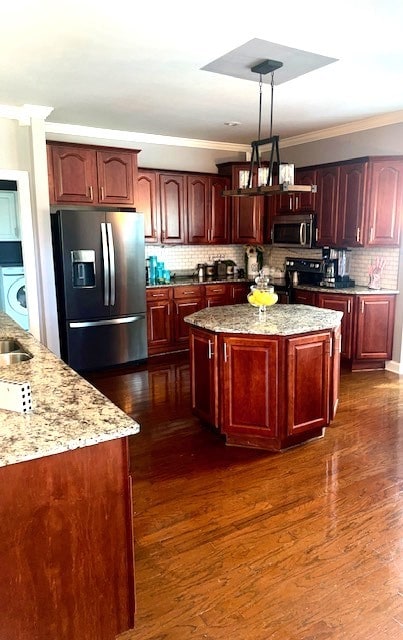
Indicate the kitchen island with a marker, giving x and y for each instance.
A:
(268, 381)
(66, 543)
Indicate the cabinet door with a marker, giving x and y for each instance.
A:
(251, 387)
(352, 183)
(220, 210)
(304, 297)
(308, 382)
(238, 292)
(247, 220)
(159, 324)
(216, 295)
(203, 352)
(327, 200)
(344, 303)
(172, 208)
(385, 203)
(375, 318)
(183, 308)
(198, 209)
(146, 203)
(9, 226)
(74, 174)
(305, 201)
(115, 177)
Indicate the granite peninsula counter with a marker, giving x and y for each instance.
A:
(65, 505)
(269, 381)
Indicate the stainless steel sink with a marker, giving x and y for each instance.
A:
(12, 352)
(14, 357)
(9, 345)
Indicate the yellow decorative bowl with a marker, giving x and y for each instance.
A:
(262, 297)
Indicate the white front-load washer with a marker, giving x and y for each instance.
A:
(12, 294)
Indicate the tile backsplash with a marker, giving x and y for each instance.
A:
(184, 258)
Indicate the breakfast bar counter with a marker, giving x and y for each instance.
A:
(266, 380)
(67, 560)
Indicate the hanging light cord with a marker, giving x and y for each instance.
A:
(271, 104)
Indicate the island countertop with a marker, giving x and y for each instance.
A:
(279, 319)
(67, 411)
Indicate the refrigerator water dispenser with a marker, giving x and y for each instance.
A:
(83, 268)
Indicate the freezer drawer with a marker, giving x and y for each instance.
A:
(98, 344)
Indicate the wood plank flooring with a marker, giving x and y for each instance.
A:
(249, 545)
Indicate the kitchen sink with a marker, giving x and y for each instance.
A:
(12, 352)
(14, 357)
(9, 345)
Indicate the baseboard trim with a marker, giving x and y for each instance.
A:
(395, 367)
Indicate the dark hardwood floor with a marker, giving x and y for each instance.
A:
(249, 545)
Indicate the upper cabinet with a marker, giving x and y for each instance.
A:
(298, 202)
(91, 175)
(9, 221)
(385, 202)
(350, 213)
(358, 202)
(172, 208)
(207, 210)
(247, 212)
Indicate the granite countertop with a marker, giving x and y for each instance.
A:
(67, 411)
(191, 280)
(358, 290)
(279, 319)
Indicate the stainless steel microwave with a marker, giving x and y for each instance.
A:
(294, 231)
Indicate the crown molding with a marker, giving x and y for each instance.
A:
(80, 131)
(394, 117)
(25, 113)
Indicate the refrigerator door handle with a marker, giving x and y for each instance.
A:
(101, 323)
(105, 263)
(111, 262)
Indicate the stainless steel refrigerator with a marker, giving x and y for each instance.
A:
(100, 286)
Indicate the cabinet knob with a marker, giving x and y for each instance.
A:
(358, 234)
(91, 193)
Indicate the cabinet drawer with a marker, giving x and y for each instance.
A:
(188, 292)
(215, 289)
(159, 293)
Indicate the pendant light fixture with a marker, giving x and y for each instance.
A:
(272, 142)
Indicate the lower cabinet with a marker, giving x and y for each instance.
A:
(344, 303)
(66, 545)
(366, 326)
(374, 330)
(203, 376)
(237, 292)
(187, 300)
(267, 392)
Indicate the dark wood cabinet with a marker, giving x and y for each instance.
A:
(66, 545)
(247, 212)
(91, 175)
(298, 202)
(147, 203)
(374, 329)
(172, 208)
(268, 392)
(385, 203)
(350, 214)
(216, 294)
(327, 200)
(308, 368)
(345, 304)
(250, 374)
(159, 320)
(301, 296)
(187, 300)
(207, 210)
(203, 376)
(366, 327)
(237, 292)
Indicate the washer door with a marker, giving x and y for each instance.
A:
(16, 297)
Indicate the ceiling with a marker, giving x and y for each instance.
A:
(137, 67)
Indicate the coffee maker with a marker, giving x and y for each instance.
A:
(336, 268)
